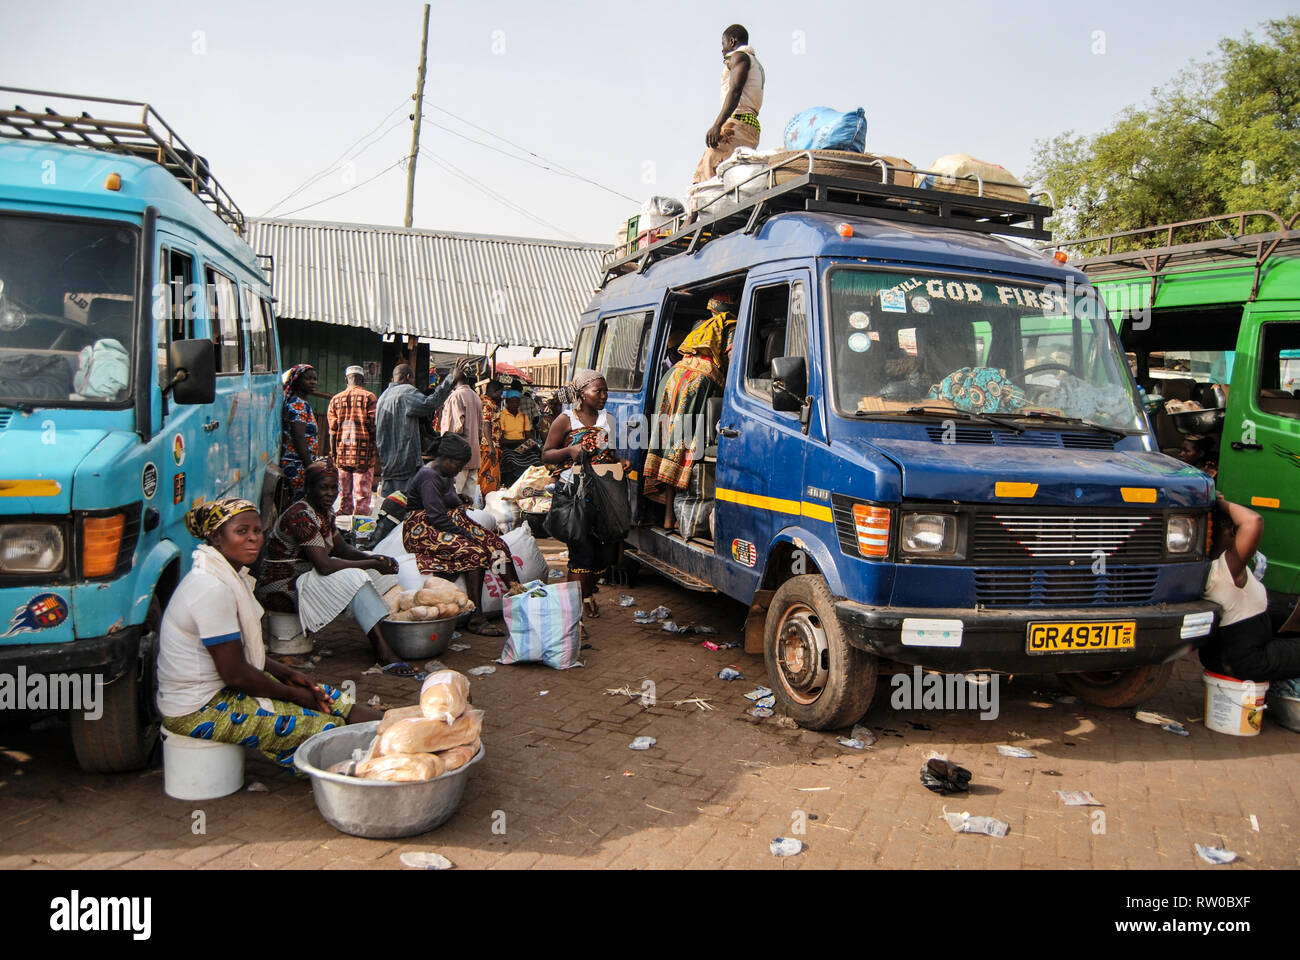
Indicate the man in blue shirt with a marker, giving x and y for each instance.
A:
(398, 413)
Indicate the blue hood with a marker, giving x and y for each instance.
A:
(970, 472)
(35, 448)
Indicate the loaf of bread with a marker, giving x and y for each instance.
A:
(444, 695)
(398, 713)
(421, 735)
(459, 756)
(405, 768)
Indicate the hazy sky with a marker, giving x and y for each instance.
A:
(276, 92)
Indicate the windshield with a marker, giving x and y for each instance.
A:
(903, 340)
(67, 311)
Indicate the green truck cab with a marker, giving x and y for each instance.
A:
(1209, 311)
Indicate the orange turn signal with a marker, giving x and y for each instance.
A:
(114, 182)
(100, 539)
(845, 229)
(1060, 256)
(872, 525)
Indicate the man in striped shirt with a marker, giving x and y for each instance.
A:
(352, 443)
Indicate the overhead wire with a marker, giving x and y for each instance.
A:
(488, 191)
(356, 186)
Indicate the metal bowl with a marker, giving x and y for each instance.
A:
(1285, 711)
(414, 639)
(1198, 421)
(375, 808)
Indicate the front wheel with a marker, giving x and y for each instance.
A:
(818, 678)
(1119, 688)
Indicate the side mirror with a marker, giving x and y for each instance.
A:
(789, 383)
(194, 371)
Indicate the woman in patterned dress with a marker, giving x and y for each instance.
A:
(444, 540)
(298, 428)
(681, 402)
(583, 433)
(489, 440)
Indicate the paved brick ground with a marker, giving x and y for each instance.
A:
(559, 778)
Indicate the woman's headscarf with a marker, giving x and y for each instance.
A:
(317, 469)
(571, 392)
(512, 394)
(292, 374)
(205, 519)
(454, 447)
(712, 336)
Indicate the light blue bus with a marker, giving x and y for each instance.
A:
(139, 376)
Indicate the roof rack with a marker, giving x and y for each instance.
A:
(786, 186)
(1232, 244)
(155, 141)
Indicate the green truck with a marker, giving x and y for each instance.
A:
(1209, 313)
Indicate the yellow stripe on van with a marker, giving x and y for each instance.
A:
(30, 488)
(1273, 502)
(1005, 488)
(756, 500)
(1138, 494)
(817, 511)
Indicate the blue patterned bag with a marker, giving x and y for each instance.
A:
(543, 623)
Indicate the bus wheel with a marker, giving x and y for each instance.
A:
(1118, 688)
(818, 678)
(124, 735)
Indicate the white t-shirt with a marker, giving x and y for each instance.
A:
(1238, 603)
(200, 614)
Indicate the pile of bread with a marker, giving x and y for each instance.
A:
(436, 600)
(425, 740)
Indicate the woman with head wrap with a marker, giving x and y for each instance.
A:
(519, 450)
(489, 439)
(297, 426)
(441, 535)
(681, 403)
(214, 679)
(311, 571)
(583, 434)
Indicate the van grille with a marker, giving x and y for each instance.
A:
(1123, 586)
(1030, 438)
(1051, 538)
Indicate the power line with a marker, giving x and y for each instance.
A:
(315, 177)
(558, 166)
(484, 188)
(357, 186)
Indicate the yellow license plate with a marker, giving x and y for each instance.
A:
(1081, 637)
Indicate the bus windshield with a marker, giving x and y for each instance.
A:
(906, 340)
(67, 311)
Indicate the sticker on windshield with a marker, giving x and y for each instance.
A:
(893, 301)
(859, 343)
(859, 320)
(920, 304)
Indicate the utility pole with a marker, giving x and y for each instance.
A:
(415, 131)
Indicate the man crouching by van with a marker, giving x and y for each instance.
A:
(742, 96)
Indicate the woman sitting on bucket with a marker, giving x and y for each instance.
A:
(443, 538)
(312, 572)
(214, 679)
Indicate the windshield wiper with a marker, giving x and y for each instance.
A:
(1062, 418)
(994, 419)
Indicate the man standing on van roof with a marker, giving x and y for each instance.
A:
(398, 413)
(352, 442)
(742, 96)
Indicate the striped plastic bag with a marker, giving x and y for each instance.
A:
(543, 623)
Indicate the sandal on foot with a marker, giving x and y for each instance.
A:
(400, 668)
(589, 608)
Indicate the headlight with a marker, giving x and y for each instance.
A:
(1180, 534)
(31, 548)
(934, 534)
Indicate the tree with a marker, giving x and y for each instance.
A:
(1224, 135)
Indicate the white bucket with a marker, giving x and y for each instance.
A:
(287, 636)
(200, 769)
(1234, 707)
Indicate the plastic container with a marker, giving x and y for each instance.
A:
(375, 808)
(286, 636)
(419, 638)
(200, 769)
(1286, 712)
(1232, 706)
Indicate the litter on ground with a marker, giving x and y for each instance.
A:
(642, 743)
(421, 860)
(1019, 753)
(785, 847)
(730, 673)
(1216, 855)
(964, 823)
(758, 693)
(482, 671)
(1078, 798)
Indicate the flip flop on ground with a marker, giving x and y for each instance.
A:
(400, 668)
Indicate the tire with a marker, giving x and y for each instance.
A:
(818, 678)
(124, 736)
(1118, 688)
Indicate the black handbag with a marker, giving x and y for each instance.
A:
(611, 515)
(569, 519)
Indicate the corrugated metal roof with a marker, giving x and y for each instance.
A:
(451, 286)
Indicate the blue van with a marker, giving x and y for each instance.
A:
(929, 450)
(138, 377)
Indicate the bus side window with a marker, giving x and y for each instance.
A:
(175, 314)
(769, 323)
(261, 357)
(223, 309)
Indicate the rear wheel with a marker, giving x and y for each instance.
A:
(818, 678)
(123, 736)
(1119, 688)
